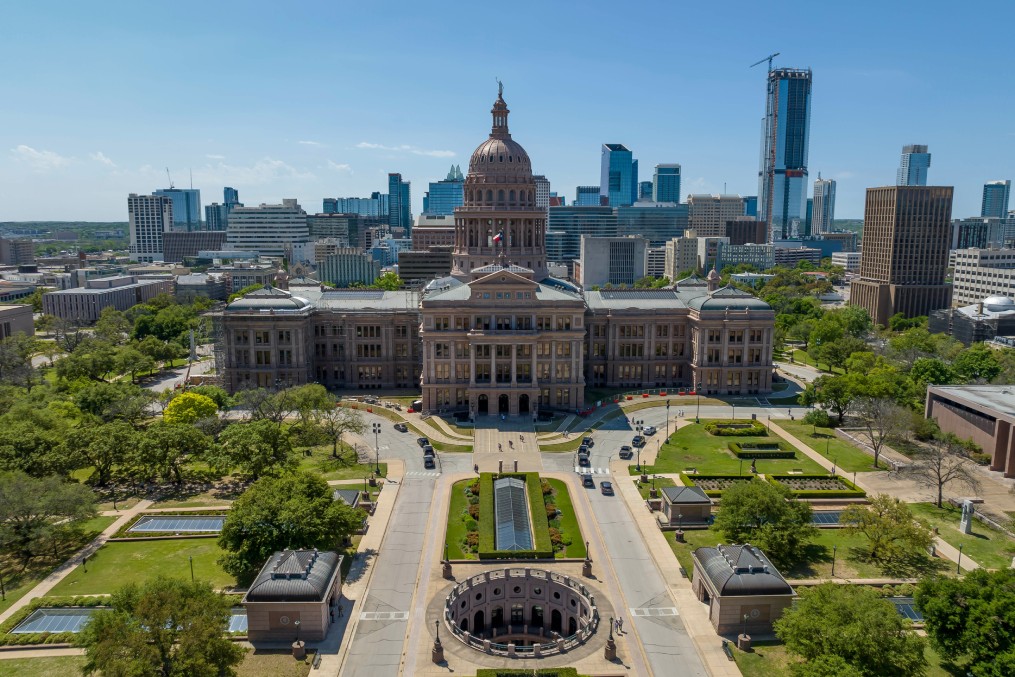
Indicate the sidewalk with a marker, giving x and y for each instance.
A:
(693, 613)
(62, 571)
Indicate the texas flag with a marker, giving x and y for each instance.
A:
(498, 237)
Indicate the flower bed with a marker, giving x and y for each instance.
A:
(818, 486)
(713, 485)
(761, 450)
(537, 516)
(736, 428)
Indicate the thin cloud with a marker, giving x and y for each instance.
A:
(101, 158)
(216, 157)
(310, 143)
(845, 175)
(335, 166)
(40, 160)
(266, 170)
(405, 148)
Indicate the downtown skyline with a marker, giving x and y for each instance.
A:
(98, 113)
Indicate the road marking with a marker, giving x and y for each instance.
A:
(384, 616)
(420, 473)
(586, 470)
(655, 611)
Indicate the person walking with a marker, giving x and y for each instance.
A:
(620, 626)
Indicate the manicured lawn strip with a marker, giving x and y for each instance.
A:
(845, 455)
(986, 546)
(771, 659)
(568, 520)
(345, 467)
(348, 553)
(645, 487)
(116, 564)
(17, 582)
(457, 530)
(847, 490)
(259, 662)
(542, 548)
(55, 666)
(692, 447)
(487, 529)
(805, 358)
(440, 446)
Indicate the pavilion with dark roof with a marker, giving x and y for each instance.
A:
(685, 506)
(293, 595)
(739, 580)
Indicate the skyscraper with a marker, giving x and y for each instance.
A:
(645, 190)
(399, 212)
(618, 179)
(906, 234)
(995, 199)
(542, 191)
(216, 216)
(782, 181)
(666, 183)
(149, 216)
(445, 195)
(231, 196)
(824, 206)
(657, 222)
(587, 196)
(708, 214)
(374, 206)
(751, 205)
(913, 167)
(186, 207)
(270, 230)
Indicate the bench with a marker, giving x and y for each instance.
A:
(317, 661)
(727, 650)
(690, 471)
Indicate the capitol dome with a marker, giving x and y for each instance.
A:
(500, 171)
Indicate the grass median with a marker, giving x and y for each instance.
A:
(845, 455)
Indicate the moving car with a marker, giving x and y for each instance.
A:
(606, 488)
(401, 427)
(626, 452)
(649, 430)
(588, 442)
(428, 462)
(422, 441)
(638, 441)
(587, 481)
(428, 450)
(583, 459)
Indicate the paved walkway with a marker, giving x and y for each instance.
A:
(506, 442)
(62, 571)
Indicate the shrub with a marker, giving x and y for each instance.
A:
(818, 417)
(760, 450)
(474, 511)
(847, 490)
(472, 540)
(474, 487)
(547, 489)
(551, 511)
(980, 459)
(556, 539)
(736, 428)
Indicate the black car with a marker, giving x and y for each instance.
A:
(428, 450)
(401, 427)
(583, 449)
(587, 481)
(588, 442)
(626, 452)
(606, 488)
(428, 462)
(638, 441)
(583, 459)
(422, 441)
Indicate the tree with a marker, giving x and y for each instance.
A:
(338, 421)
(945, 461)
(972, 619)
(836, 352)
(243, 292)
(977, 363)
(112, 326)
(164, 447)
(219, 396)
(891, 529)
(102, 447)
(899, 322)
(256, 447)
(188, 408)
(34, 511)
(855, 320)
(31, 440)
(164, 628)
(16, 354)
(91, 359)
(833, 624)
(130, 360)
(881, 420)
(931, 371)
(765, 515)
(309, 402)
(825, 666)
(833, 392)
(115, 401)
(388, 282)
(292, 511)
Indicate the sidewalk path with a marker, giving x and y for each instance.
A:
(61, 572)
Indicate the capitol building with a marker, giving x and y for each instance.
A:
(500, 335)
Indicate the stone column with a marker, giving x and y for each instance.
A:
(472, 365)
(514, 365)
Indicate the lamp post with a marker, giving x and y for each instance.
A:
(834, 548)
(697, 413)
(667, 419)
(297, 624)
(3, 592)
(958, 564)
(745, 625)
(377, 449)
(734, 411)
(639, 458)
(191, 568)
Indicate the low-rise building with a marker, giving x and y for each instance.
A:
(612, 260)
(785, 256)
(850, 261)
(348, 266)
(16, 319)
(424, 265)
(682, 506)
(983, 413)
(292, 597)
(982, 272)
(761, 256)
(180, 245)
(982, 321)
(86, 304)
(189, 287)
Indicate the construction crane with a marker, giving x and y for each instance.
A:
(171, 186)
(768, 59)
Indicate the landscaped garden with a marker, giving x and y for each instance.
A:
(345, 466)
(692, 446)
(825, 442)
(771, 659)
(985, 546)
(818, 486)
(659, 482)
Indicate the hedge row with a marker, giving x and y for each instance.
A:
(537, 519)
(689, 481)
(780, 450)
(124, 533)
(8, 639)
(723, 429)
(852, 491)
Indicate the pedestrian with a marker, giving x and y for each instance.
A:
(499, 447)
(620, 626)
(331, 612)
(340, 612)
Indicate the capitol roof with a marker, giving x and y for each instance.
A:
(268, 298)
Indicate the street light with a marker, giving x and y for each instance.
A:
(745, 625)
(297, 624)
(697, 414)
(834, 548)
(191, 568)
(667, 419)
(377, 449)
(734, 411)
(639, 458)
(958, 564)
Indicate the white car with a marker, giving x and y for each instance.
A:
(649, 430)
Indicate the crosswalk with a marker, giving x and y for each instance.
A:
(422, 473)
(586, 470)
(655, 611)
(384, 616)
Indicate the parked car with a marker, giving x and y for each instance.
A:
(422, 441)
(401, 427)
(428, 462)
(588, 442)
(649, 430)
(626, 452)
(587, 481)
(638, 441)
(428, 450)
(583, 460)
(583, 449)
(606, 488)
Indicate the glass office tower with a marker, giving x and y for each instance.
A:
(618, 179)
(399, 213)
(995, 199)
(782, 180)
(444, 196)
(913, 166)
(186, 207)
(666, 183)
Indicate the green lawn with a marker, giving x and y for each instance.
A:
(987, 547)
(771, 659)
(817, 562)
(845, 455)
(456, 529)
(645, 487)
(805, 358)
(693, 447)
(135, 561)
(440, 446)
(259, 663)
(18, 581)
(345, 467)
(56, 666)
(348, 553)
(568, 521)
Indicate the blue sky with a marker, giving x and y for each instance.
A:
(317, 99)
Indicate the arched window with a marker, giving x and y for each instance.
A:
(500, 196)
(512, 196)
(501, 158)
(489, 195)
(530, 196)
